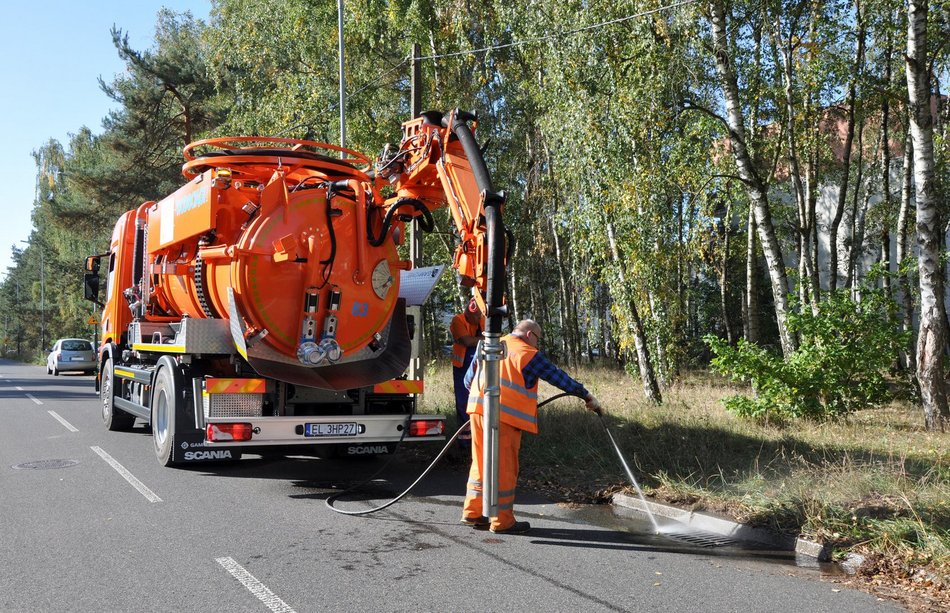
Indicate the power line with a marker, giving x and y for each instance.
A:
(539, 39)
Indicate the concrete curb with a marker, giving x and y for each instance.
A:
(726, 528)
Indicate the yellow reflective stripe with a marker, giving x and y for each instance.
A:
(158, 348)
(475, 483)
(519, 389)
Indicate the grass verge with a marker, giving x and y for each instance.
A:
(875, 484)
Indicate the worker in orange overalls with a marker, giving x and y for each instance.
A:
(466, 328)
(520, 371)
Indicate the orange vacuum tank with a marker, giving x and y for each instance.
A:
(281, 240)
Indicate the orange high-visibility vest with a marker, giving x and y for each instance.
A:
(461, 327)
(519, 404)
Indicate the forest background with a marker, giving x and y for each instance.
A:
(676, 173)
(755, 185)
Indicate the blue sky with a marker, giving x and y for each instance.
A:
(52, 56)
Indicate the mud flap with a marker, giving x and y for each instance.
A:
(190, 447)
(365, 450)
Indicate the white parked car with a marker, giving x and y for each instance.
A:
(70, 354)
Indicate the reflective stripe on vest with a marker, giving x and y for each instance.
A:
(519, 404)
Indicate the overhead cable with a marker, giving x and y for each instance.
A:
(539, 39)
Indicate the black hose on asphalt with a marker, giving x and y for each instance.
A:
(466, 426)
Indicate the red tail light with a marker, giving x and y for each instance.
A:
(229, 432)
(427, 427)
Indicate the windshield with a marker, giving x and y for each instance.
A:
(75, 345)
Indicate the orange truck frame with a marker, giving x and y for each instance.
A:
(259, 305)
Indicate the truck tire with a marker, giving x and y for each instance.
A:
(115, 419)
(166, 398)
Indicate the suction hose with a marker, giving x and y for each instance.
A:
(329, 501)
(464, 427)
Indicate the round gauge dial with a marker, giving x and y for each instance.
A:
(382, 279)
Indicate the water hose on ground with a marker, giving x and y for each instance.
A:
(464, 427)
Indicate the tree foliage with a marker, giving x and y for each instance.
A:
(632, 139)
(841, 365)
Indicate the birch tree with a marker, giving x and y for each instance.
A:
(932, 336)
(756, 188)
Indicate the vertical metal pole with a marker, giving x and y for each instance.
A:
(342, 89)
(416, 370)
(492, 354)
(42, 302)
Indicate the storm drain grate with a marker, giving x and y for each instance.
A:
(702, 539)
(45, 464)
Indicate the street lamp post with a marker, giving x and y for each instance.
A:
(42, 300)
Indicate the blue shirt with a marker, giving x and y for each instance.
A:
(539, 367)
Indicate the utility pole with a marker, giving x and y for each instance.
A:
(19, 325)
(42, 302)
(42, 298)
(416, 370)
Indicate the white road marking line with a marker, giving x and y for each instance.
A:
(34, 399)
(152, 497)
(270, 600)
(68, 425)
(19, 388)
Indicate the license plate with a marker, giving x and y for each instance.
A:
(349, 428)
(77, 359)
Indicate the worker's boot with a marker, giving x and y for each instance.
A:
(519, 527)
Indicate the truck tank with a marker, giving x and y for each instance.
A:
(279, 239)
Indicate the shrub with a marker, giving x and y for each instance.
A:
(845, 351)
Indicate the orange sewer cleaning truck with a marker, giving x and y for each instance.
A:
(259, 307)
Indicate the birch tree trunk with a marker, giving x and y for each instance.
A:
(755, 187)
(650, 387)
(886, 173)
(801, 190)
(933, 333)
(724, 276)
(906, 278)
(846, 155)
(751, 282)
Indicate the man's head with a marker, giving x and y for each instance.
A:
(529, 331)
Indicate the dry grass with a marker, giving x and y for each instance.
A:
(876, 483)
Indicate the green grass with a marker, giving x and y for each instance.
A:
(875, 483)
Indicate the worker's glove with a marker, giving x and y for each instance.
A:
(594, 405)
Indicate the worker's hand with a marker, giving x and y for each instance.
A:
(594, 405)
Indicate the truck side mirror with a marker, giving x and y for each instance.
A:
(92, 265)
(90, 282)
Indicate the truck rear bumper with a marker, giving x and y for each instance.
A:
(317, 430)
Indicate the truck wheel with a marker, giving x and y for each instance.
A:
(165, 400)
(114, 419)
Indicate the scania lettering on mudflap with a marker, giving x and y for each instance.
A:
(366, 449)
(218, 454)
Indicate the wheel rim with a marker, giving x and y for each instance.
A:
(161, 416)
(105, 391)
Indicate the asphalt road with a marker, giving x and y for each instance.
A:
(115, 531)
